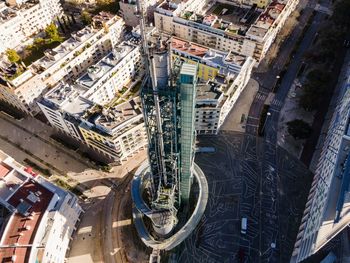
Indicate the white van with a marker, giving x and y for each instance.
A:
(244, 225)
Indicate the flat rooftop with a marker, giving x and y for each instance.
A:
(31, 202)
(115, 116)
(208, 91)
(100, 70)
(68, 98)
(231, 17)
(226, 60)
(78, 42)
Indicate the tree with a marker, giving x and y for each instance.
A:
(341, 13)
(39, 41)
(86, 17)
(299, 129)
(12, 55)
(52, 33)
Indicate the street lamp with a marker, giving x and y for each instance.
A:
(263, 128)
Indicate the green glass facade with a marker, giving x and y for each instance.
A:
(187, 84)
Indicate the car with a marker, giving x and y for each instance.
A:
(244, 224)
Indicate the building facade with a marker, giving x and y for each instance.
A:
(22, 19)
(129, 11)
(222, 77)
(223, 25)
(41, 217)
(327, 210)
(65, 62)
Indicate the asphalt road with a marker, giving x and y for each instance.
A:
(268, 79)
(288, 79)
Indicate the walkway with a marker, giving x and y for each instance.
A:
(186, 230)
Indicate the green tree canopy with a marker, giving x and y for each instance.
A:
(12, 55)
(86, 17)
(299, 129)
(52, 33)
(341, 13)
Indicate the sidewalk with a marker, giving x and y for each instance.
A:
(289, 112)
(242, 106)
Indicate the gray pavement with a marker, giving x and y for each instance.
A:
(250, 178)
(268, 79)
(288, 78)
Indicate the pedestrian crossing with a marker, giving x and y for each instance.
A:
(260, 96)
(277, 103)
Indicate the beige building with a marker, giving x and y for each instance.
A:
(65, 62)
(225, 25)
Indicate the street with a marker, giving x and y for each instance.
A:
(267, 80)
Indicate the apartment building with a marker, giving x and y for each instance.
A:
(224, 25)
(129, 11)
(118, 132)
(222, 77)
(115, 131)
(65, 62)
(326, 212)
(88, 110)
(35, 214)
(20, 20)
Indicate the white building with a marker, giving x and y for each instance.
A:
(65, 62)
(36, 215)
(246, 30)
(327, 210)
(129, 11)
(225, 75)
(23, 19)
(88, 111)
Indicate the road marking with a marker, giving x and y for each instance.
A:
(252, 125)
(253, 118)
(120, 223)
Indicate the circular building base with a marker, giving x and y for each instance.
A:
(141, 209)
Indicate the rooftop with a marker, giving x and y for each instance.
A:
(68, 98)
(115, 116)
(208, 91)
(100, 69)
(31, 202)
(8, 13)
(228, 62)
(78, 42)
(229, 19)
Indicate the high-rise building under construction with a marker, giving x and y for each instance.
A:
(161, 186)
(168, 105)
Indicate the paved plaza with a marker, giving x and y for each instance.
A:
(253, 179)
